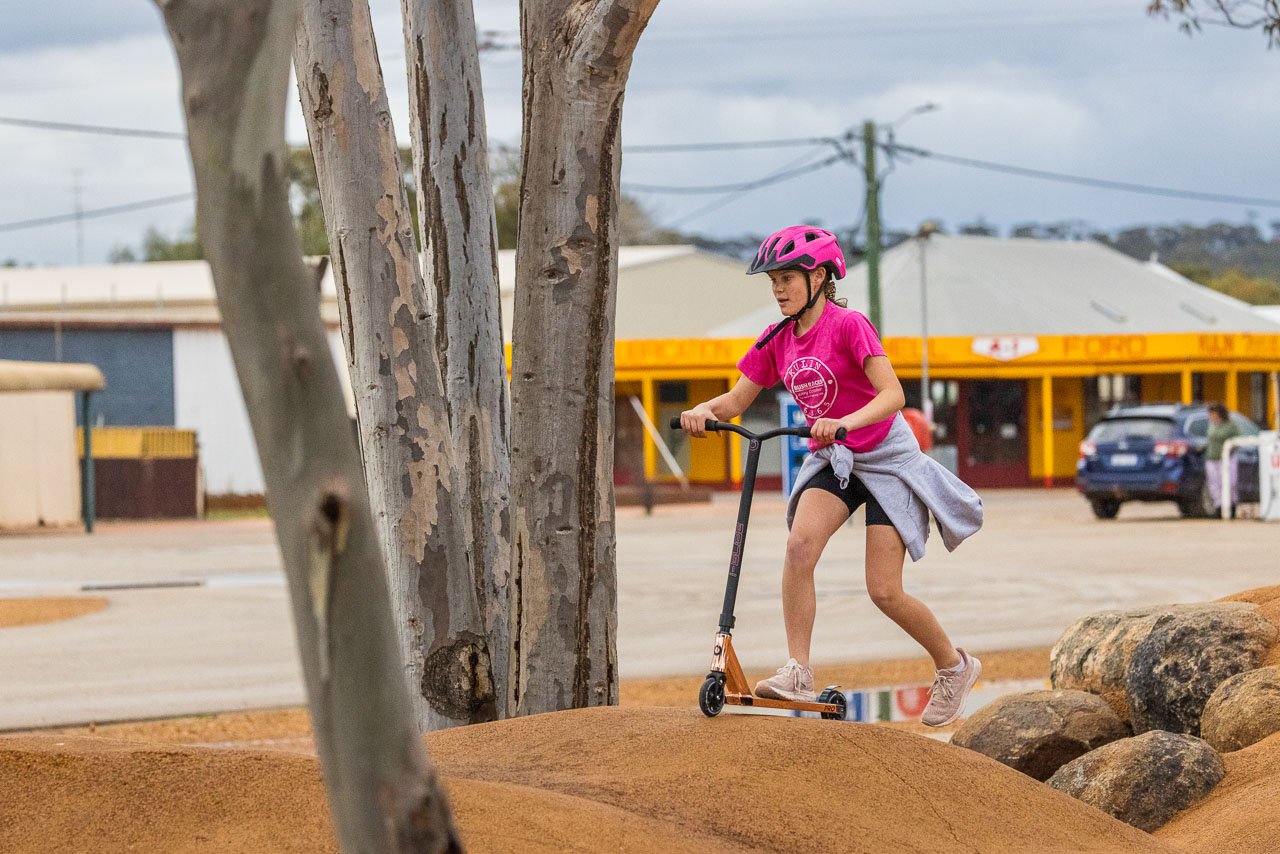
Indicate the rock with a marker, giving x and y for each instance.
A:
(1268, 601)
(1093, 654)
(1040, 731)
(1243, 710)
(1145, 780)
(1185, 657)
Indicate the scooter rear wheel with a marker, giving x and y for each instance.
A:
(711, 697)
(837, 698)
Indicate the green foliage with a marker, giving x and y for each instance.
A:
(183, 247)
(1236, 283)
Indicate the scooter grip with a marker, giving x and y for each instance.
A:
(840, 434)
(675, 423)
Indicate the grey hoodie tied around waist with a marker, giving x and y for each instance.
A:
(907, 483)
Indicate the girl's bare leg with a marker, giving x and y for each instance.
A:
(819, 514)
(885, 555)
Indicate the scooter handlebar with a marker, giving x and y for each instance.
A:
(717, 426)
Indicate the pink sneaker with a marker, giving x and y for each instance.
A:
(950, 689)
(793, 681)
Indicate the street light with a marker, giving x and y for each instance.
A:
(927, 107)
(927, 229)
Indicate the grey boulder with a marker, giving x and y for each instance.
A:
(1145, 780)
(1243, 710)
(1040, 731)
(1185, 657)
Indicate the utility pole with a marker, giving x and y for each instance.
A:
(873, 223)
(79, 219)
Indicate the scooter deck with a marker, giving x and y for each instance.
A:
(770, 703)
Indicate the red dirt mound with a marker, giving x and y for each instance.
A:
(47, 609)
(633, 779)
(1239, 815)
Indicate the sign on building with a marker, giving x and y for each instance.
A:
(1006, 348)
(793, 447)
(1269, 472)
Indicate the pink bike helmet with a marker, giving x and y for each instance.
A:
(799, 247)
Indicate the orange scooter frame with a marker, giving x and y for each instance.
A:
(725, 683)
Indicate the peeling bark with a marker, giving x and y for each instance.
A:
(459, 235)
(390, 329)
(576, 60)
(234, 61)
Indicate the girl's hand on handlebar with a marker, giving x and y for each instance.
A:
(823, 431)
(694, 421)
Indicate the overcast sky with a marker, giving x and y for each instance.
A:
(1091, 87)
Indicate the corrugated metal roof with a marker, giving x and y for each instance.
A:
(49, 376)
(1014, 286)
(977, 286)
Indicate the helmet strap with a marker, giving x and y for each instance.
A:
(794, 318)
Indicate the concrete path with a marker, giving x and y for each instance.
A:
(1041, 562)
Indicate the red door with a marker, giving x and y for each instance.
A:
(991, 439)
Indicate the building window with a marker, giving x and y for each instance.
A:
(1258, 397)
(673, 392)
(1106, 391)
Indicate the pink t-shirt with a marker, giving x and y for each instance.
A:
(823, 370)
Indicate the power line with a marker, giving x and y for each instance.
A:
(114, 209)
(1083, 180)
(743, 187)
(725, 146)
(94, 129)
(733, 196)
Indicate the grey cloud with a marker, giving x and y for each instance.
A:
(35, 26)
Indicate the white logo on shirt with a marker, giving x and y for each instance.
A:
(812, 384)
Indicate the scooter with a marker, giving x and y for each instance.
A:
(726, 682)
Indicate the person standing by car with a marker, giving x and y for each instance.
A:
(1221, 429)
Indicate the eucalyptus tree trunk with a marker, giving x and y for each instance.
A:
(234, 62)
(391, 327)
(576, 60)
(459, 241)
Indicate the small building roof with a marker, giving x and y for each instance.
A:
(1021, 286)
(49, 376)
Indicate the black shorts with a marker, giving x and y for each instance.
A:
(854, 495)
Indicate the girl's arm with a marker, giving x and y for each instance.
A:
(726, 407)
(888, 400)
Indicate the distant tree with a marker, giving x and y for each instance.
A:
(636, 226)
(980, 228)
(121, 254)
(10, 263)
(1241, 14)
(184, 247)
(504, 167)
(1255, 290)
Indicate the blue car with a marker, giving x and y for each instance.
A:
(1155, 452)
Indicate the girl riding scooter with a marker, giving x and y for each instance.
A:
(830, 358)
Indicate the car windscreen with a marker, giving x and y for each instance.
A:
(1116, 429)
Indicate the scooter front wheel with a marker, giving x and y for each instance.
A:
(711, 697)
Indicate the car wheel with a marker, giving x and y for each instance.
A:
(1105, 508)
(1197, 506)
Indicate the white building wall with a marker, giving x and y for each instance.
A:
(39, 468)
(206, 398)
